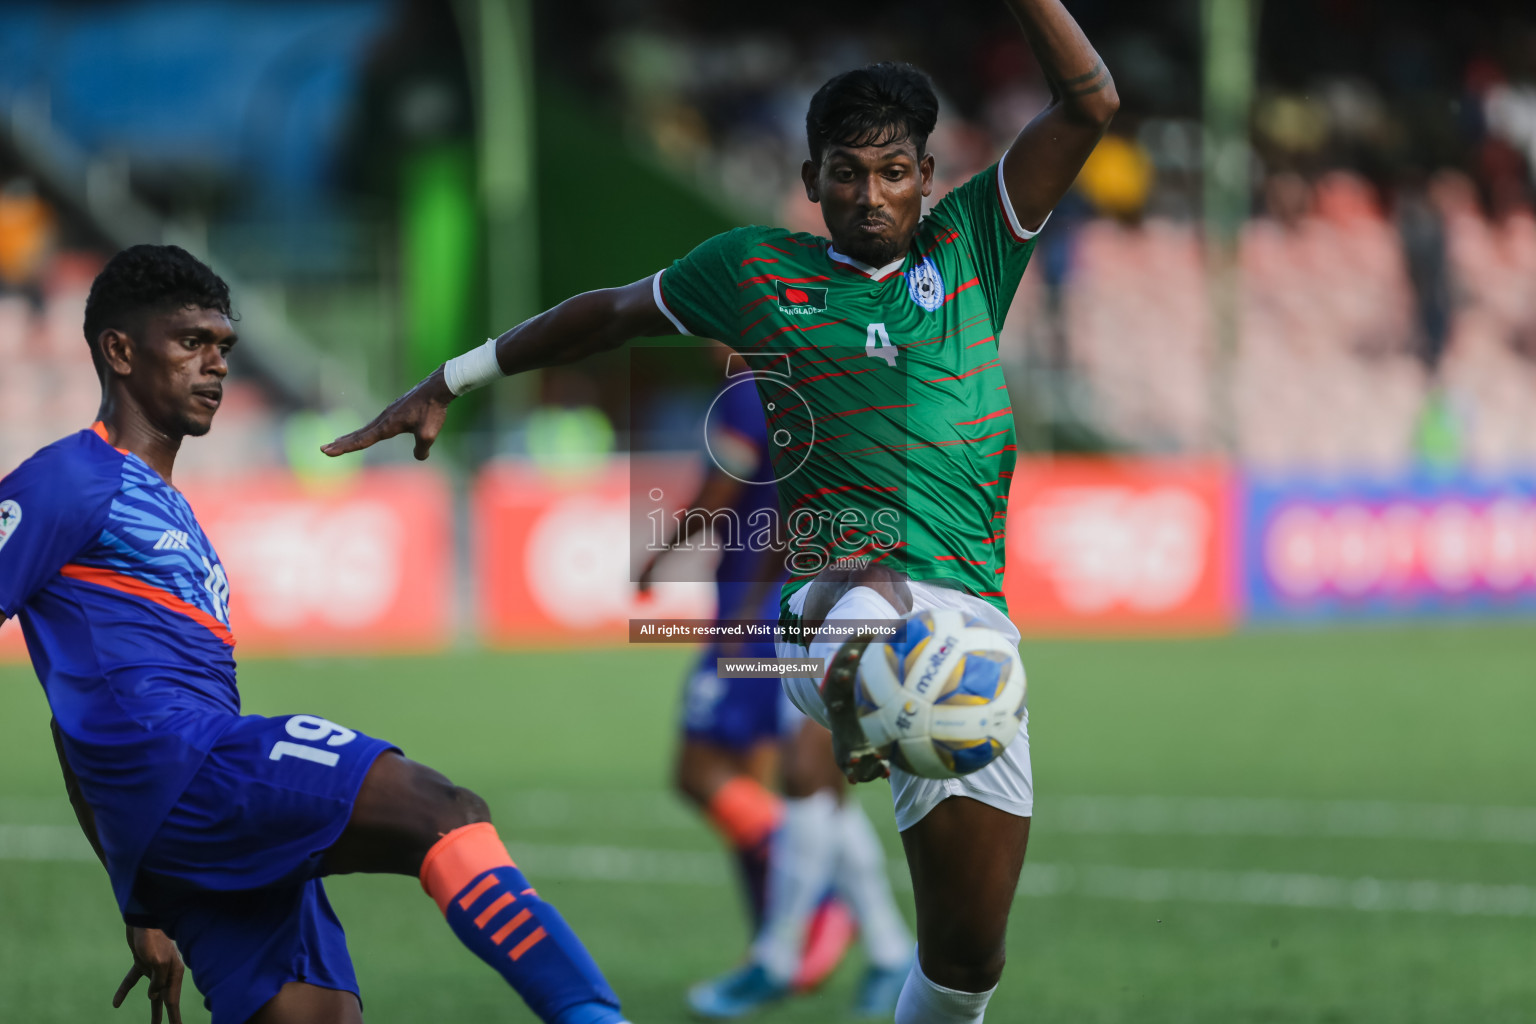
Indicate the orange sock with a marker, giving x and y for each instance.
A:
(459, 858)
(745, 812)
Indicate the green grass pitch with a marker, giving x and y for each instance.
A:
(1277, 826)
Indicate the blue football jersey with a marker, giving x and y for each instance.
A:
(125, 610)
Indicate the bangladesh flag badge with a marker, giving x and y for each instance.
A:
(794, 298)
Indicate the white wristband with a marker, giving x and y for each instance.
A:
(474, 369)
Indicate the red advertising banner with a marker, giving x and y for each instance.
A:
(552, 555)
(363, 564)
(359, 565)
(1093, 545)
(1121, 546)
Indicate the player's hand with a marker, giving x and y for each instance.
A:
(154, 957)
(419, 412)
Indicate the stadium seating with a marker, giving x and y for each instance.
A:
(1326, 376)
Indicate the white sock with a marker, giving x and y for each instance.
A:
(863, 882)
(923, 1002)
(799, 873)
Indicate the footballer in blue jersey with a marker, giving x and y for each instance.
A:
(731, 726)
(216, 827)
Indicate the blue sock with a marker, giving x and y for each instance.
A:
(505, 923)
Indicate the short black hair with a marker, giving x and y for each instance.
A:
(875, 105)
(144, 279)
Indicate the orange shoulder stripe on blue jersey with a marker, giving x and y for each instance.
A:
(114, 580)
(101, 431)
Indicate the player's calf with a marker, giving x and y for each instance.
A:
(963, 893)
(410, 819)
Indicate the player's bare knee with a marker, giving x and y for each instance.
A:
(468, 807)
(439, 805)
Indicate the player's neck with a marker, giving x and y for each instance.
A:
(883, 259)
(129, 430)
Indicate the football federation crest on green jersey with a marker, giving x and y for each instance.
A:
(796, 298)
(910, 451)
(925, 285)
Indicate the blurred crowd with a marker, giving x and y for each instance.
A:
(1387, 271)
(1387, 313)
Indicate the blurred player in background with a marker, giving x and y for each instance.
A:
(216, 827)
(893, 324)
(728, 755)
(797, 854)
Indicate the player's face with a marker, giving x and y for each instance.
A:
(178, 369)
(871, 197)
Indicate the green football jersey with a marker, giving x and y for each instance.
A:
(888, 417)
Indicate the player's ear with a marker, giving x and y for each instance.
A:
(808, 173)
(116, 351)
(925, 168)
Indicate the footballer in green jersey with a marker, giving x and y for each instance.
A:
(897, 439)
(893, 425)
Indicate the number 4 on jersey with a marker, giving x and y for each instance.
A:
(877, 345)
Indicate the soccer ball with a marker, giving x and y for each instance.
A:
(946, 699)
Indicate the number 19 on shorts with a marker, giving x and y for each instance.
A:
(312, 730)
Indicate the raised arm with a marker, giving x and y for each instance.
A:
(1044, 160)
(580, 326)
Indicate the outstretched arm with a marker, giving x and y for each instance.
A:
(1044, 160)
(581, 326)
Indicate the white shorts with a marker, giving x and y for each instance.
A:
(1006, 783)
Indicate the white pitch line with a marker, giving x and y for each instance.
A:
(1112, 815)
(1328, 819)
(1095, 881)
(1235, 817)
(1273, 889)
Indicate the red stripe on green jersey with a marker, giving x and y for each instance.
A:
(990, 364)
(973, 282)
(917, 412)
(983, 419)
(763, 278)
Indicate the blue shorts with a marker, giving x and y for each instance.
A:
(736, 714)
(233, 874)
